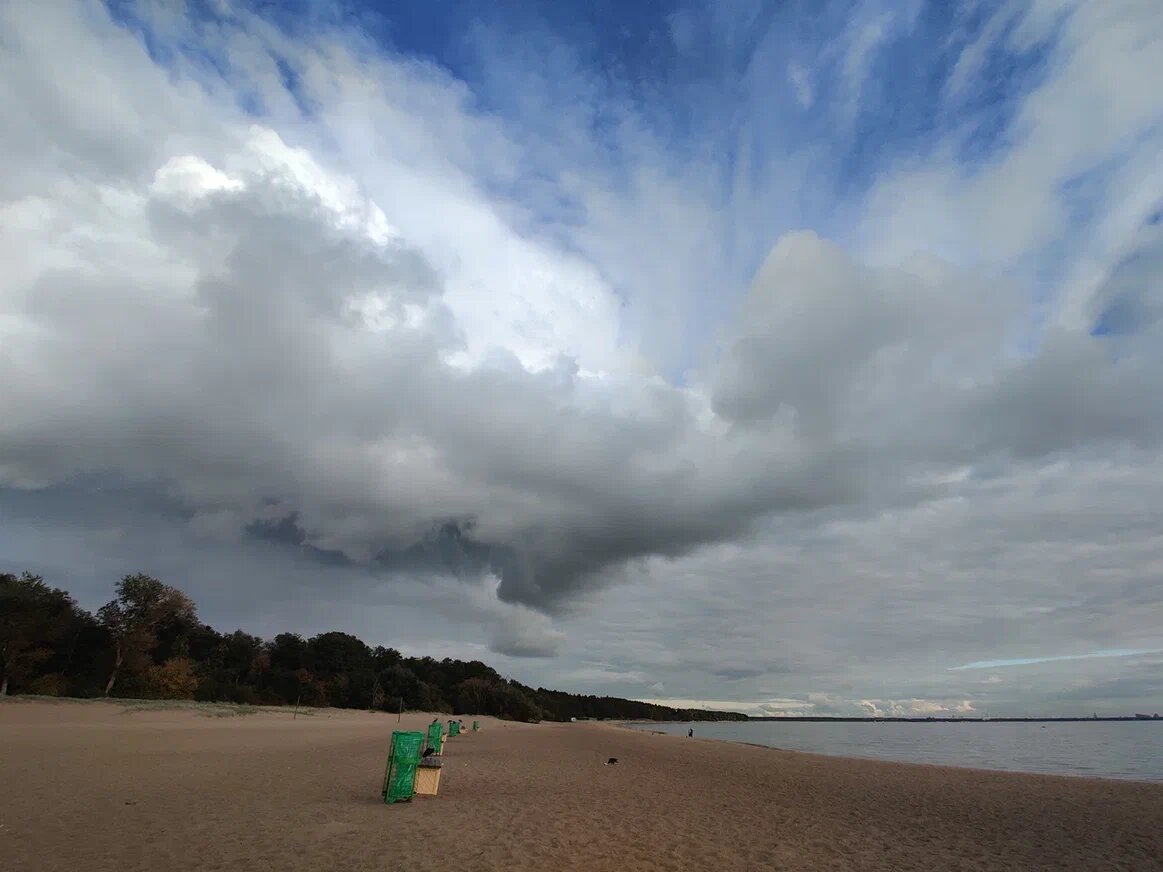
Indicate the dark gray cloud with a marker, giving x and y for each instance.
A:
(255, 386)
(1144, 684)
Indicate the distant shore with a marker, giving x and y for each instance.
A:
(112, 787)
(822, 719)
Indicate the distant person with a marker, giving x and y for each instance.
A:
(690, 734)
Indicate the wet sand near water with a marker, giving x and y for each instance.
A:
(94, 786)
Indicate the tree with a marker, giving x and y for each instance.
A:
(504, 699)
(149, 640)
(383, 657)
(85, 656)
(174, 679)
(288, 651)
(473, 696)
(240, 651)
(335, 653)
(141, 606)
(430, 699)
(400, 683)
(34, 619)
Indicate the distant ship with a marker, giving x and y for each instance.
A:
(1153, 717)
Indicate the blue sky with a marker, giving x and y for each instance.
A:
(792, 111)
(788, 113)
(786, 355)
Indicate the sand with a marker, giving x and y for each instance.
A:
(89, 786)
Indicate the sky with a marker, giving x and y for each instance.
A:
(790, 357)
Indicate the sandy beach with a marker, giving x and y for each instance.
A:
(97, 786)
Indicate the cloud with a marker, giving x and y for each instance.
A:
(864, 40)
(787, 707)
(802, 84)
(912, 708)
(518, 630)
(1028, 661)
(327, 381)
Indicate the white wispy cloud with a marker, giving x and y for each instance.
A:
(1030, 661)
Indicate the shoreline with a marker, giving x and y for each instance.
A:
(1119, 779)
(98, 789)
(954, 766)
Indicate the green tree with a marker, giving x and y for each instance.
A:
(150, 634)
(474, 697)
(383, 657)
(174, 679)
(400, 683)
(288, 651)
(142, 605)
(240, 655)
(34, 619)
(330, 654)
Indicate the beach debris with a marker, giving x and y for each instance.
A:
(612, 761)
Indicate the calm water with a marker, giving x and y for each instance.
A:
(1119, 749)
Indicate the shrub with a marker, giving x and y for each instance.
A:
(53, 684)
(174, 679)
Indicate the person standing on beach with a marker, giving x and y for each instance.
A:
(690, 733)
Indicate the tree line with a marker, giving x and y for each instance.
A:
(148, 642)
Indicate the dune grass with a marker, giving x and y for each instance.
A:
(206, 709)
(133, 706)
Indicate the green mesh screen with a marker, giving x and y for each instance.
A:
(453, 728)
(435, 732)
(400, 781)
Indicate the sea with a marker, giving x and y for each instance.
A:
(1096, 749)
